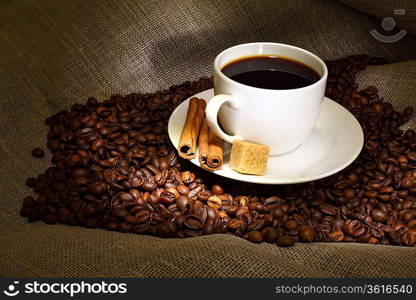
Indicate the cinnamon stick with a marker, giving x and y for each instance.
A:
(203, 145)
(210, 147)
(190, 131)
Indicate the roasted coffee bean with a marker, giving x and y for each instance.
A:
(120, 213)
(184, 203)
(217, 190)
(96, 189)
(354, 228)
(149, 186)
(278, 212)
(379, 215)
(111, 226)
(328, 209)
(182, 189)
(29, 201)
(124, 227)
(290, 225)
(336, 236)
(242, 200)
(407, 216)
(268, 219)
(407, 204)
(209, 227)
(192, 233)
(130, 219)
(174, 192)
(409, 237)
(194, 192)
(92, 222)
(214, 202)
(255, 237)
(37, 152)
(126, 197)
(306, 233)
(166, 229)
(256, 225)
(241, 211)
(141, 228)
(285, 241)
(193, 222)
(270, 235)
(188, 177)
(203, 195)
(236, 223)
(257, 206)
(273, 201)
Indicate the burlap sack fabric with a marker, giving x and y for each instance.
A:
(55, 53)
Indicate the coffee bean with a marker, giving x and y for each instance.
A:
(353, 228)
(124, 227)
(174, 192)
(50, 219)
(209, 227)
(96, 189)
(278, 212)
(407, 204)
(255, 237)
(290, 225)
(203, 195)
(120, 213)
(112, 226)
(336, 236)
(149, 186)
(184, 203)
(37, 152)
(214, 202)
(256, 206)
(270, 235)
(242, 200)
(92, 222)
(193, 222)
(285, 241)
(411, 155)
(306, 233)
(142, 216)
(166, 229)
(256, 225)
(328, 209)
(188, 177)
(126, 197)
(217, 190)
(192, 233)
(409, 237)
(338, 223)
(379, 215)
(183, 189)
(29, 201)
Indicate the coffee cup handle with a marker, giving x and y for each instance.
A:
(211, 113)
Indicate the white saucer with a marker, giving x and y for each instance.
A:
(334, 143)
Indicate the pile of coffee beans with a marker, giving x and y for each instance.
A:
(114, 168)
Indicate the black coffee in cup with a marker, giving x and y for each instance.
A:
(270, 72)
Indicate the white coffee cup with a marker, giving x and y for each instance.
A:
(281, 119)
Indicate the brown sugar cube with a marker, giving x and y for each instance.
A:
(249, 158)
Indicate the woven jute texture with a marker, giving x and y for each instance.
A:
(56, 53)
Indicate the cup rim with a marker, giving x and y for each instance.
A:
(224, 77)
